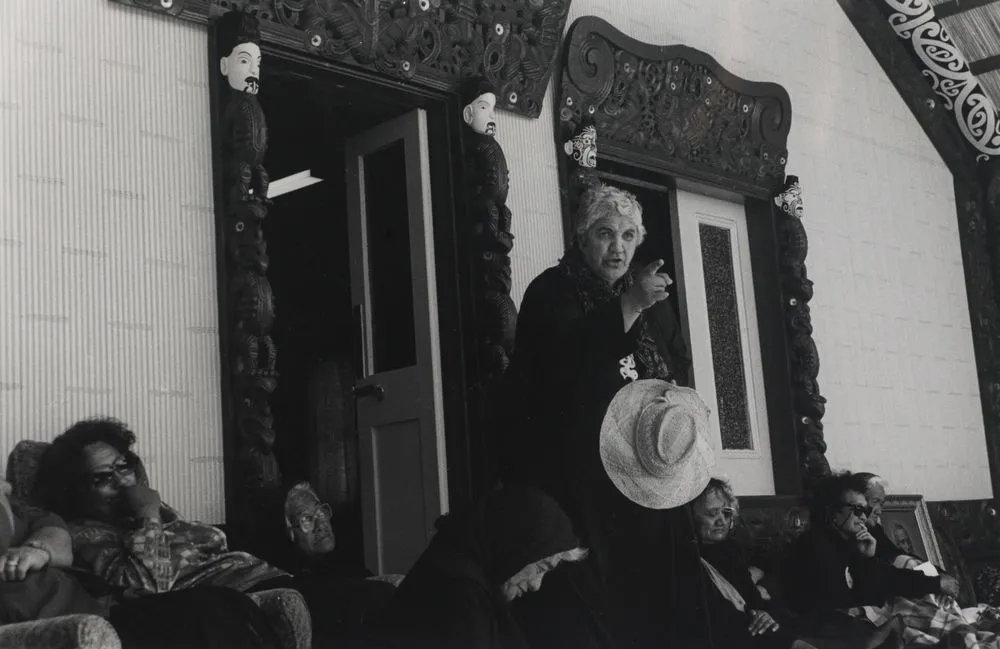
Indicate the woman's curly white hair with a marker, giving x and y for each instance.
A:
(606, 200)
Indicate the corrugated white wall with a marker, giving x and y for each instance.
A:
(890, 313)
(107, 299)
(107, 258)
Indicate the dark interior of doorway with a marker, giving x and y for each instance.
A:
(653, 194)
(310, 116)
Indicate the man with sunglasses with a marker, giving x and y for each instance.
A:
(831, 571)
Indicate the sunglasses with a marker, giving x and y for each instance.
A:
(122, 469)
(858, 510)
(307, 522)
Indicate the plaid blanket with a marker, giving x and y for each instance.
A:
(936, 621)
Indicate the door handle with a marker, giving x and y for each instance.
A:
(369, 390)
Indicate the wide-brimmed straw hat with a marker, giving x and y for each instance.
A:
(654, 444)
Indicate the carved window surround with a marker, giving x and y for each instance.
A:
(677, 112)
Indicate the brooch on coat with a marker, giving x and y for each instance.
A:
(627, 368)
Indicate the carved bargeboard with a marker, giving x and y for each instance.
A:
(675, 104)
(435, 43)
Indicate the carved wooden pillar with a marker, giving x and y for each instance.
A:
(491, 232)
(241, 189)
(797, 290)
(492, 241)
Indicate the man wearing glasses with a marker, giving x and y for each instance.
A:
(333, 582)
(831, 570)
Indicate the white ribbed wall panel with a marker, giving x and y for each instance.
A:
(890, 313)
(106, 243)
(107, 253)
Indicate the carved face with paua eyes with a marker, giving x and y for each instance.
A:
(242, 68)
(790, 200)
(583, 147)
(480, 114)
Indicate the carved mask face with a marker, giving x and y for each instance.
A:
(791, 201)
(583, 148)
(242, 68)
(480, 114)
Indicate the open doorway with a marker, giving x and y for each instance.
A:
(657, 216)
(334, 339)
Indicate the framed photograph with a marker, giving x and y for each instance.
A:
(908, 524)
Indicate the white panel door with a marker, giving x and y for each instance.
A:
(399, 396)
(716, 285)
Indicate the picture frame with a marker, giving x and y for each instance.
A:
(907, 523)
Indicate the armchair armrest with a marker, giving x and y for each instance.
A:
(395, 580)
(288, 613)
(65, 632)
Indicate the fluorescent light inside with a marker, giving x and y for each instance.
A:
(292, 183)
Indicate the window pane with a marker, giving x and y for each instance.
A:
(724, 332)
(393, 342)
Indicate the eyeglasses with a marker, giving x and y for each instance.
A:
(307, 522)
(122, 469)
(858, 510)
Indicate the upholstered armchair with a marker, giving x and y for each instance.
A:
(284, 607)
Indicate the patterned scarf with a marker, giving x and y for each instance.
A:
(593, 291)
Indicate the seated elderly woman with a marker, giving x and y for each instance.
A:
(737, 610)
(133, 546)
(832, 572)
(458, 594)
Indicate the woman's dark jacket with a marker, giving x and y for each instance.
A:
(452, 597)
(730, 627)
(824, 572)
(564, 373)
(569, 361)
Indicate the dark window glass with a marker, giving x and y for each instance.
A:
(393, 342)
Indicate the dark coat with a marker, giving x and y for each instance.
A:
(815, 575)
(565, 371)
(452, 597)
(564, 374)
(730, 627)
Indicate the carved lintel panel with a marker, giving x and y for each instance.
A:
(797, 290)
(675, 104)
(435, 43)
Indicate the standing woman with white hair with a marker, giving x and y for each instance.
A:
(588, 327)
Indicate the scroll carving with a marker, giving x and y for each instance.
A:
(676, 104)
(243, 134)
(436, 43)
(797, 290)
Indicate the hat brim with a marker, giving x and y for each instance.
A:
(622, 466)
